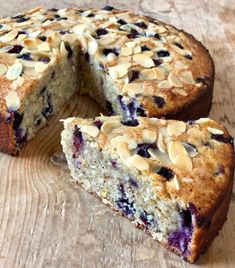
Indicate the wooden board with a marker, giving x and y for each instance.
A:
(44, 222)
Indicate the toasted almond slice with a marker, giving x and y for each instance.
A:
(159, 156)
(9, 36)
(63, 50)
(164, 84)
(131, 44)
(123, 151)
(138, 162)
(44, 47)
(196, 133)
(12, 101)
(108, 126)
(179, 91)
(180, 66)
(21, 37)
(215, 131)
(160, 143)
(137, 49)
(203, 120)
(132, 144)
(187, 78)
(176, 128)
(158, 74)
(126, 51)
(176, 182)
(183, 162)
(92, 131)
(3, 69)
(187, 180)
(174, 80)
(146, 74)
(30, 44)
(133, 89)
(119, 71)
(40, 67)
(175, 148)
(191, 150)
(143, 60)
(149, 136)
(92, 47)
(14, 71)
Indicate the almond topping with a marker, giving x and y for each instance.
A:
(149, 136)
(187, 78)
(3, 69)
(9, 36)
(44, 47)
(14, 71)
(90, 130)
(179, 91)
(132, 144)
(92, 47)
(12, 101)
(174, 80)
(133, 89)
(108, 126)
(164, 84)
(138, 162)
(176, 182)
(215, 131)
(126, 51)
(151, 74)
(203, 120)
(40, 67)
(175, 148)
(123, 151)
(176, 128)
(160, 143)
(143, 60)
(119, 71)
(183, 162)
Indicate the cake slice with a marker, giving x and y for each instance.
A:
(172, 179)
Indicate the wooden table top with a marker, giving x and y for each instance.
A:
(44, 222)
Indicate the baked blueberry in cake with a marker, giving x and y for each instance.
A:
(131, 65)
(170, 178)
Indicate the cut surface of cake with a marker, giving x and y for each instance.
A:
(172, 179)
(130, 64)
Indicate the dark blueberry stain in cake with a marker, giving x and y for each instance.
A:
(147, 219)
(69, 49)
(101, 31)
(133, 75)
(133, 34)
(91, 15)
(157, 62)
(121, 21)
(178, 45)
(20, 20)
(87, 57)
(44, 59)
(19, 135)
(189, 57)
(191, 122)
(52, 74)
(157, 36)
(113, 163)
(109, 108)
(77, 139)
(159, 101)
(15, 49)
(53, 9)
(223, 139)
(163, 53)
(133, 183)
(141, 24)
(123, 203)
(42, 38)
(1, 26)
(142, 149)
(98, 123)
(202, 79)
(144, 48)
(130, 123)
(108, 8)
(166, 173)
(220, 170)
(106, 51)
(48, 108)
(25, 56)
(63, 32)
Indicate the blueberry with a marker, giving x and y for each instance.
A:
(130, 123)
(159, 101)
(63, 32)
(141, 24)
(121, 21)
(44, 59)
(98, 123)
(133, 75)
(163, 53)
(69, 49)
(147, 219)
(109, 108)
(101, 31)
(42, 38)
(178, 45)
(87, 56)
(62, 18)
(144, 48)
(22, 20)
(142, 149)
(223, 139)
(77, 139)
(25, 56)
(56, 16)
(113, 163)
(201, 80)
(133, 183)
(106, 51)
(220, 170)
(48, 109)
(189, 57)
(20, 136)
(108, 8)
(157, 62)
(166, 173)
(157, 36)
(125, 206)
(91, 15)
(15, 49)
(133, 34)
(53, 9)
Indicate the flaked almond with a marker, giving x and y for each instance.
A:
(44, 47)
(138, 162)
(132, 144)
(175, 148)
(164, 84)
(179, 91)
(90, 130)
(21, 37)
(143, 60)
(183, 162)
(176, 128)
(179, 65)
(108, 126)
(203, 120)
(215, 131)
(14, 71)
(9, 36)
(12, 101)
(174, 80)
(63, 50)
(3, 69)
(92, 47)
(159, 156)
(187, 78)
(133, 89)
(123, 151)
(149, 136)
(196, 133)
(187, 180)
(176, 182)
(191, 150)
(119, 71)
(30, 44)
(160, 143)
(137, 49)
(40, 67)
(126, 51)
(152, 74)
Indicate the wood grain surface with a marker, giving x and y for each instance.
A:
(44, 222)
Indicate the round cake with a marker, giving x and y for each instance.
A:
(131, 65)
